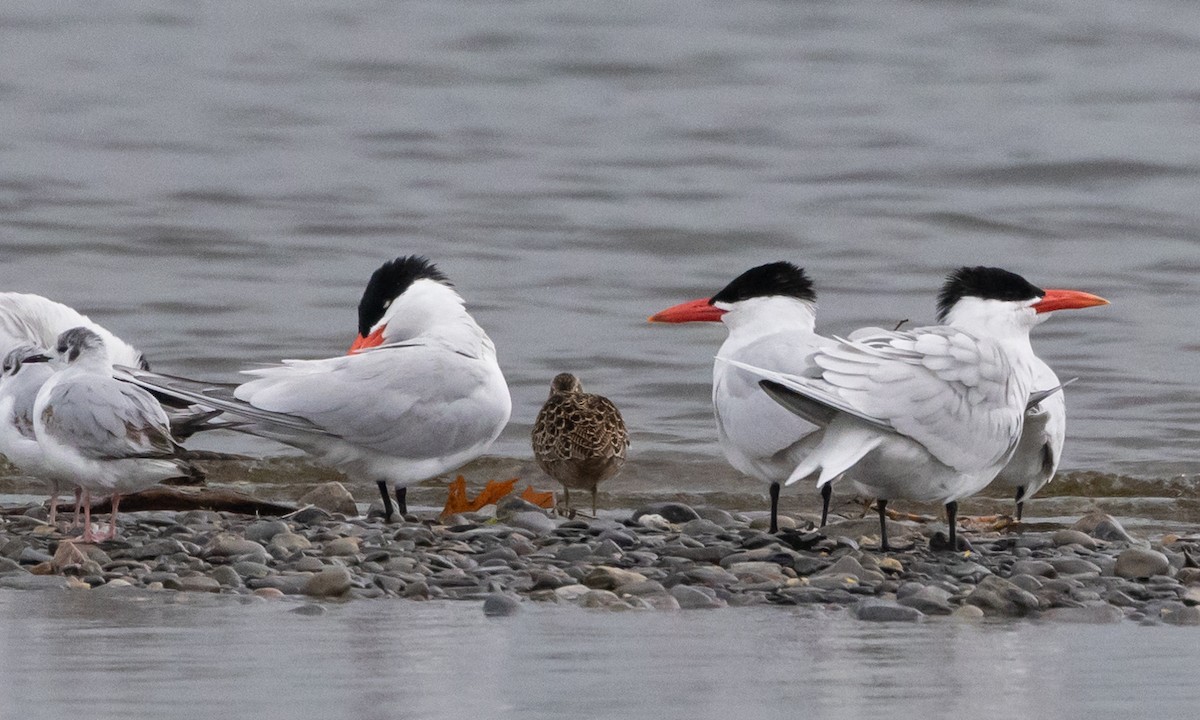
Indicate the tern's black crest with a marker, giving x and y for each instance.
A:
(777, 278)
(988, 283)
(388, 282)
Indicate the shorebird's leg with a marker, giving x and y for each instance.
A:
(78, 505)
(826, 496)
(567, 500)
(402, 500)
(774, 508)
(112, 516)
(387, 500)
(1020, 502)
(881, 505)
(53, 516)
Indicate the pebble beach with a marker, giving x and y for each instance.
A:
(665, 556)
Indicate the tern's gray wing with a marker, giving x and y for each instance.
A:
(104, 419)
(938, 386)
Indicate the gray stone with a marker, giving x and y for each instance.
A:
(849, 566)
(155, 549)
(700, 527)
(758, 572)
(330, 582)
(709, 575)
(230, 545)
(717, 515)
(601, 599)
(997, 596)
(248, 569)
(1026, 582)
(1182, 616)
(331, 496)
(8, 565)
(1096, 613)
(263, 530)
(1137, 563)
(1036, 568)
(290, 542)
(876, 610)
(535, 521)
(198, 583)
(1074, 566)
(928, 599)
(500, 605)
(286, 584)
(342, 547)
(1073, 537)
(308, 610)
(671, 511)
(310, 516)
(691, 598)
(1102, 527)
(610, 578)
(27, 581)
(226, 576)
(32, 556)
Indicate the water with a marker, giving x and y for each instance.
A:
(132, 658)
(215, 182)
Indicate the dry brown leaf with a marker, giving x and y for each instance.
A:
(541, 499)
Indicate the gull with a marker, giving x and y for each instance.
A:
(107, 436)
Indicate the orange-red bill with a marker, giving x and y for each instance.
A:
(1067, 300)
(690, 311)
(373, 340)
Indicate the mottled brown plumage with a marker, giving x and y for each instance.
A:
(579, 438)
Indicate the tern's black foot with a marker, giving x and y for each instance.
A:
(940, 543)
(774, 529)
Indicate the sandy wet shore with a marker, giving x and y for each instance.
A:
(664, 556)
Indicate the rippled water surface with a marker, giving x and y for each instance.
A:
(215, 182)
(128, 657)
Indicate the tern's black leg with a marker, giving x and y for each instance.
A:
(826, 495)
(774, 508)
(387, 500)
(952, 516)
(881, 505)
(1020, 503)
(402, 500)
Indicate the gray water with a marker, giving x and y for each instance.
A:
(67, 653)
(216, 181)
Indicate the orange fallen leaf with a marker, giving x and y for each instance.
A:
(541, 499)
(458, 501)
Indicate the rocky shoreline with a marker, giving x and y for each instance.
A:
(666, 556)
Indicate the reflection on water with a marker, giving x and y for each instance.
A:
(215, 183)
(68, 652)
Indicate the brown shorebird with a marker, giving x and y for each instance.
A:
(579, 438)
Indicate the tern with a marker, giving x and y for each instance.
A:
(420, 392)
(930, 414)
(579, 438)
(107, 436)
(770, 313)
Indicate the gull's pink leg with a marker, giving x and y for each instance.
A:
(53, 508)
(87, 518)
(78, 503)
(112, 517)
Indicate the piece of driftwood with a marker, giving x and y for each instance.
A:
(162, 497)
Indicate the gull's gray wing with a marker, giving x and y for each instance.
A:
(104, 419)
